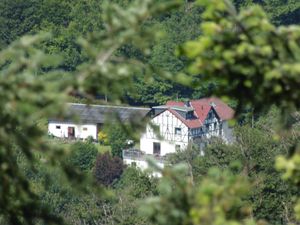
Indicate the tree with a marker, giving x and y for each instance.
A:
(117, 139)
(255, 63)
(242, 48)
(22, 109)
(132, 188)
(108, 169)
(21, 67)
(216, 200)
(279, 12)
(175, 28)
(137, 183)
(83, 155)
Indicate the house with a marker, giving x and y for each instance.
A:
(83, 121)
(181, 123)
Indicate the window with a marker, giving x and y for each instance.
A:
(207, 126)
(215, 125)
(189, 115)
(84, 129)
(210, 115)
(177, 130)
(57, 127)
(156, 148)
(177, 147)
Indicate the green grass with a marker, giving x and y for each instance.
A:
(103, 148)
(68, 144)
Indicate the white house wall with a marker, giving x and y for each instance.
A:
(167, 123)
(82, 131)
(143, 165)
(227, 133)
(166, 147)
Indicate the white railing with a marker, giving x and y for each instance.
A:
(135, 154)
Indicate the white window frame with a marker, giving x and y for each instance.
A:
(178, 131)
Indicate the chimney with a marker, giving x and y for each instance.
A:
(187, 104)
(213, 104)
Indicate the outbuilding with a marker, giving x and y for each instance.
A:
(85, 121)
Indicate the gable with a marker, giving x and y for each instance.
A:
(211, 116)
(168, 117)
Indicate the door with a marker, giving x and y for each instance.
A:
(71, 132)
(156, 148)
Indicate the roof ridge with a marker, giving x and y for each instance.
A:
(109, 106)
(195, 111)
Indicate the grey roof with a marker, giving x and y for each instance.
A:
(184, 109)
(102, 113)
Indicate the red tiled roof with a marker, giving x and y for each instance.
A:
(191, 123)
(201, 108)
(174, 103)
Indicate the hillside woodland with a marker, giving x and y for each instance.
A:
(246, 52)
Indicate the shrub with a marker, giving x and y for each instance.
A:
(108, 169)
(102, 138)
(137, 183)
(83, 155)
(118, 140)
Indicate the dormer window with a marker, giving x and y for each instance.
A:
(189, 115)
(177, 130)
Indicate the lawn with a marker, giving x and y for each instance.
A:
(103, 148)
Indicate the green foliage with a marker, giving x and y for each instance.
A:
(117, 139)
(22, 107)
(253, 61)
(136, 183)
(65, 19)
(60, 194)
(26, 96)
(217, 199)
(248, 56)
(252, 156)
(280, 12)
(176, 27)
(83, 155)
(122, 27)
(133, 186)
(108, 169)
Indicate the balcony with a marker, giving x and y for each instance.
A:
(137, 155)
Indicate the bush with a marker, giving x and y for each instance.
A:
(108, 169)
(83, 155)
(118, 140)
(102, 138)
(137, 183)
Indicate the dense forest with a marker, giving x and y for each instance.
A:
(270, 199)
(144, 53)
(68, 20)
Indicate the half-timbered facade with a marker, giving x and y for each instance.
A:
(173, 133)
(176, 124)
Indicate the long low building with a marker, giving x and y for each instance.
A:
(85, 121)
